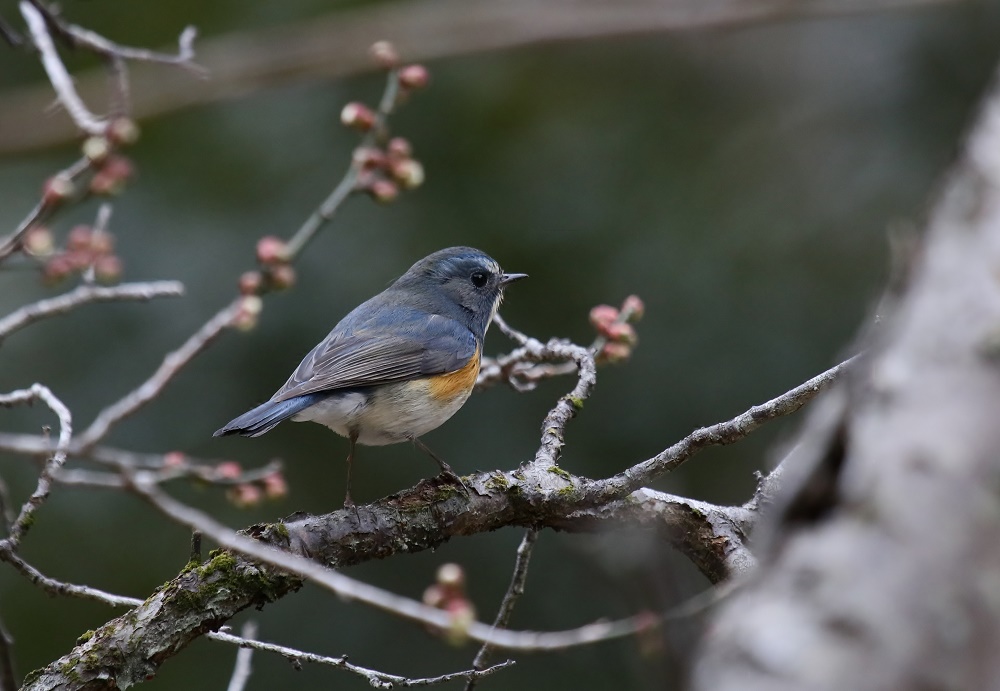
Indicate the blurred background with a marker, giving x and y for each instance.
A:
(741, 181)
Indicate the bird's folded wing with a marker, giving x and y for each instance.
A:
(369, 355)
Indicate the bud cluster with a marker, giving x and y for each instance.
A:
(275, 273)
(247, 494)
(383, 172)
(448, 593)
(85, 247)
(616, 335)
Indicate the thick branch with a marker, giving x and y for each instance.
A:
(884, 573)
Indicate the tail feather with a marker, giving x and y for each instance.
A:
(266, 416)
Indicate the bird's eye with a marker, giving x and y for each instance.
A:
(478, 279)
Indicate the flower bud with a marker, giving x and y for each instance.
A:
(399, 147)
(108, 269)
(383, 191)
(408, 173)
(357, 116)
(275, 486)
(101, 243)
(434, 596)
(634, 307)
(271, 250)
(368, 158)
(228, 470)
(384, 54)
(615, 352)
(38, 242)
(451, 576)
(96, 149)
(281, 276)
(123, 131)
(57, 189)
(462, 615)
(414, 77)
(250, 283)
(57, 268)
(174, 459)
(79, 237)
(621, 333)
(603, 316)
(248, 312)
(245, 495)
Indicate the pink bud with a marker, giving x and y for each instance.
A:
(399, 147)
(174, 459)
(621, 332)
(357, 116)
(451, 577)
(38, 241)
(602, 316)
(434, 596)
(245, 495)
(368, 158)
(634, 307)
(281, 276)
(57, 189)
(228, 470)
(384, 54)
(614, 352)
(250, 283)
(271, 250)
(414, 77)
(57, 268)
(96, 149)
(383, 191)
(79, 237)
(108, 269)
(123, 131)
(275, 486)
(408, 173)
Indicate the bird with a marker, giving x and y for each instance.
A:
(398, 365)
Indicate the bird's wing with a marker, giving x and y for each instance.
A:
(391, 348)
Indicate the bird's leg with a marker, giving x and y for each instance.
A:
(348, 501)
(445, 468)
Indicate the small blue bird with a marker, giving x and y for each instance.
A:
(398, 365)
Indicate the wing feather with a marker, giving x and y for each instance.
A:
(389, 346)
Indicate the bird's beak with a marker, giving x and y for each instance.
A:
(510, 278)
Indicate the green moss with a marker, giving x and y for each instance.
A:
(32, 676)
(281, 529)
(69, 671)
(574, 401)
(556, 470)
(567, 491)
(84, 637)
(498, 482)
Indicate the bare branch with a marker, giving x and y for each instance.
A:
(53, 464)
(333, 46)
(151, 388)
(510, 598)
(8, 678)
(378, 680)
(56, 587)
(58, 75)
(85, 294)
(241, 670)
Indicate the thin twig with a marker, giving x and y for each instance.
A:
(8, 677)
(57, 587)
(242, 670)
(510, 598)
(7, 516)
(151, 388)
(42, 210)
(58, 75)
(53, 464)
(348, 184)
(85, 294)
(719, 434)
(378, 680)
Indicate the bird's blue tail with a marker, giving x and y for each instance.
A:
(266, 416)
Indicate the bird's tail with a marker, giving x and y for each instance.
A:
(266, 416)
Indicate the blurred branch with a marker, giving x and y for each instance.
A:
(376, 679)
(334, 46)
(242, 670)
(8, 678)
(85, 294)
(510, 598)
(57, 587)
(883, 570)
(152, 387)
